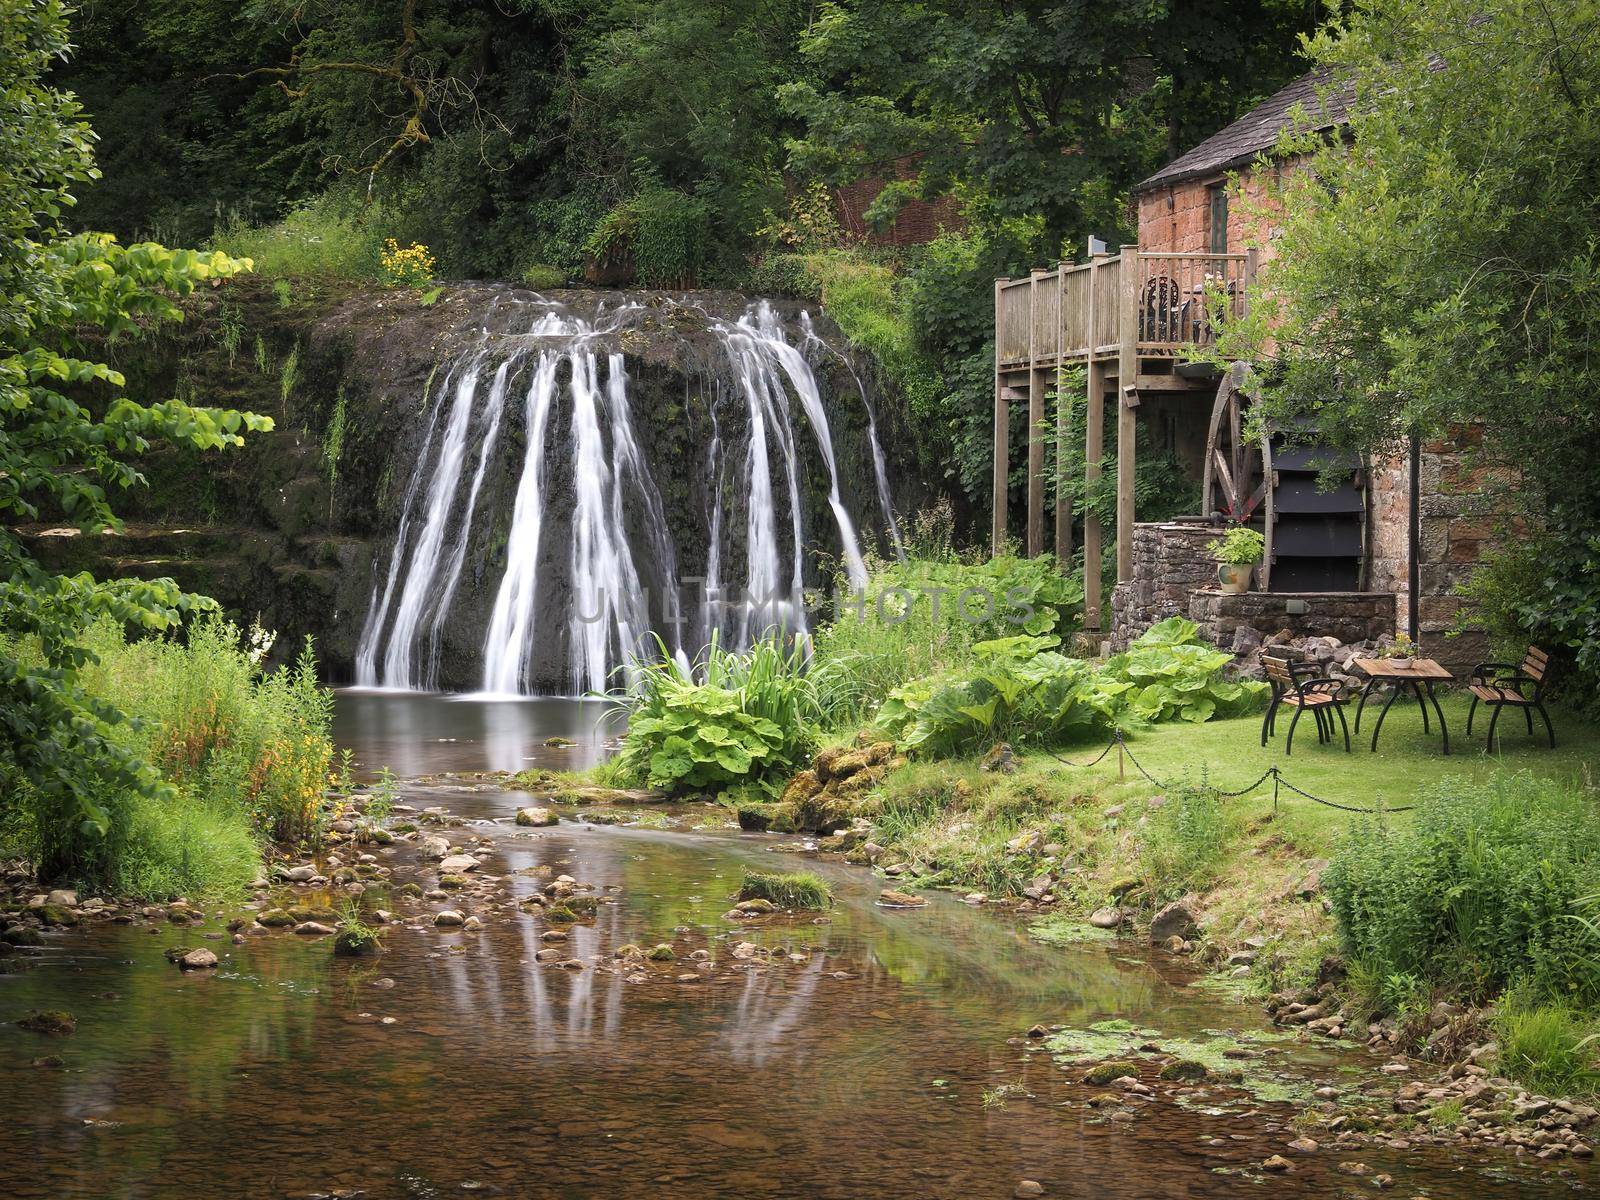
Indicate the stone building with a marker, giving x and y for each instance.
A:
(1384, 551)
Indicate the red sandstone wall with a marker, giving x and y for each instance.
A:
(1177, 219)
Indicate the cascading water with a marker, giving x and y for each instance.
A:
(562, 517)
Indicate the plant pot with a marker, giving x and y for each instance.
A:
(1234, 578)
(1400, 664)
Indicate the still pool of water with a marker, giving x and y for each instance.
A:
(866, 1067)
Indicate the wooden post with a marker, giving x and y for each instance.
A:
(1063, 427)
(1127, 402)
(1036, 378)
(1002, 452)
(1094, 445)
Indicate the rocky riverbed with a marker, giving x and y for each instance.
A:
(584, 1007)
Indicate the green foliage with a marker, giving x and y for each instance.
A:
(1456, 242)
(1482, 889)
(237, 756)
(1545, 1046)
(750, 719)
(66, 434)
(1021, 690)
(1241, 546)
(324, 239)
(333, 437)
(661, 233)
(864, 299)
(1183, 843)
(1174, 675)
(542, 277)
(926, 614)
(795, 890)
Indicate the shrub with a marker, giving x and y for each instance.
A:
(240, 755)
(1485, 887)
(1183, 843)
(1174, 675)
(542, 277)
(405, 266)
(1241, 546)
(926, 615)
(799, 890)
(1019, 689)
(750, 719)
(663, 233)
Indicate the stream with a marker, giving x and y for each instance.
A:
(861, 1059)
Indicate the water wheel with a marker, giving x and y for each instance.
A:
(1307, 498)
(1235, 484)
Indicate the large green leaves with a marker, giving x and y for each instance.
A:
(1024, 690)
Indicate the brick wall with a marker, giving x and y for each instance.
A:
(1177, 219)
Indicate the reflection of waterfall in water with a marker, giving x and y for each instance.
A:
(588, 564)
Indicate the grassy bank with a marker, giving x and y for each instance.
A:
(966, 755)
(243, 758)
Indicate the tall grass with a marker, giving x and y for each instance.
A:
(329, 238)
(794, 890)
(924, 615)
(1487, 887)
(246, 755)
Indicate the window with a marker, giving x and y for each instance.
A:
(1219, 218)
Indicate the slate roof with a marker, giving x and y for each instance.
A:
(1254, 132)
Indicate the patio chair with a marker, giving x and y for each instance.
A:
(1502, 686)
(1302, 688)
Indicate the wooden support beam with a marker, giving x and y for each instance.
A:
(1063, 433)
(1094, 445)
(1127, 402)
(1002, 451)
(1036, 438)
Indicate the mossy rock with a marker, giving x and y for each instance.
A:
(1185, 1070)
(768, 818)
(274, 918)
(561, 913)
(452, 882)
(301, 913)
(661, 953)
(356, 943)
(583, 906)
(802, 787)
(21, 935)
(1102, 1074)
(54, 1022)
(413, 890)
(840, 763)
(54, 914)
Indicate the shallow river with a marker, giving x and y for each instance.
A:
(860, 1071)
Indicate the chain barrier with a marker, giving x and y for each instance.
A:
(1120, 745)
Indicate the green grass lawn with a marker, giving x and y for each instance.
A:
(1229, 754)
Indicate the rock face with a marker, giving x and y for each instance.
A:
(280, 534)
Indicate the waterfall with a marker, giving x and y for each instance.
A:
(505, 654)
(580, 557)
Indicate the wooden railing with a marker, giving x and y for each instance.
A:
(1080, 311)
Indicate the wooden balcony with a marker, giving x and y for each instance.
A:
(1129, 320)
(1159, 303)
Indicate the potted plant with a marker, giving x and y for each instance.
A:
(1237, 552)
(1401, 652)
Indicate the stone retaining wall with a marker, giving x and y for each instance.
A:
(1241, 622)
(1169, 563)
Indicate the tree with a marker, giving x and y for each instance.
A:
(1030, 108)
(66, 434)
(1440, 268)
